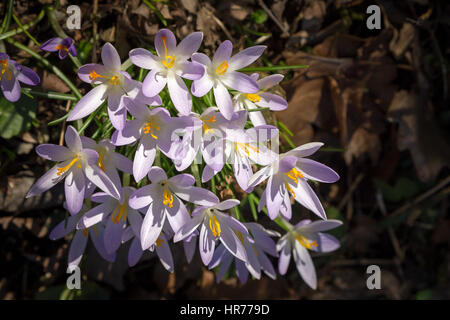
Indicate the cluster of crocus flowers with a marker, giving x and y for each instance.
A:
(165, 206)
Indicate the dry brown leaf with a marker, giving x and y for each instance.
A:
(51, 82)
(362, 142)
(238, 12)
(190, 5)
(401, 40)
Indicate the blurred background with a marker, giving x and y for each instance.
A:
(378, 98)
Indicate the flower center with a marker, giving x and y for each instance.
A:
(294, 174)
(222, 68)
(150, 127)
(206, 127)
(245, 147)
(214, 225)
(114, 80)
(159, 242)
(167, 197)
(62, 170)
(62, 48)
(168, 61)
(305, 242)
(120, 212)
(253, 97)
(100, 161)
(5, 69)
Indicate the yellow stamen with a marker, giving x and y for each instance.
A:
(239, 235)
(94, 75)
(206, 127)
(169, 60)
(120, 212)
(245, 147)
(305, 242)
(159, 242)
(62, 47)
(114, 80)
(168, 198)
(100, 162)
(149, 127)
(288, 187)
(253, 97)
(214, 225)
(294, 174)
(222, 68)
(5, 68)
(62, 170)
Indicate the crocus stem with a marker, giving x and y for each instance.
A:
(258, 109)
(24, 30)
(7, 20)
(50, 94)
(46, 63)
(196, 173)
(24, 27)
(156, 11)
(274, 68)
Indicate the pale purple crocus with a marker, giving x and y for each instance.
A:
(306, 235)
(256, 245)
(11, 73)
(81, 237)
(170, 66)
(163, 197)
(76, 165)
(215, 225)
(288, 176)
(221, 73)
(112, 85)
(115, 214)
(152, 128)
(109, 160)
(261, 99)
(63, 46)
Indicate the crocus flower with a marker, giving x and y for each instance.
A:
(215, 225)
(114, 214)
(255, 249)
(63, 46)
(169, 66)
(77, 165)
(80, 238)
(244, 147)
(306, 235)
(221, 73)
(108, 160)
(112, 84)
(289, 174)
(153, 128)
(163, 198)
(261, 99)
(11, 73)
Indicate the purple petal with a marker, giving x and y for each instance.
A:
(307, 197)
(326, 243)
(189, 248)
(287, 163)
(112, 234)
(77, 247)
(206, 245)
(10, 88)
(189, 45)
(101, 180)
(47, 181)
(152, 225)
(182, 180)
(164, 254)
(28, 76)
(53, 152)
(201, 58)
(179, 94)
(89, 103)
(227, 204)
(246, 57)
(135, 252)
(240, 82)
(190, 70)
(170, 42)
(199, 196)
(223, 52)
(74, 191)
(142, 197)
(269, 81)
(316, 171)
(64, 228)
(223, 101)
(51, 44)
(305, 265)
(285, 258)
(202, 86)
(110, 57)
(143, 161)
(156, 174)
(306, 149)
(85, 71)
(272, 101)
(73, 140)
(188, 228)
(153, 83)
(143, 58)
